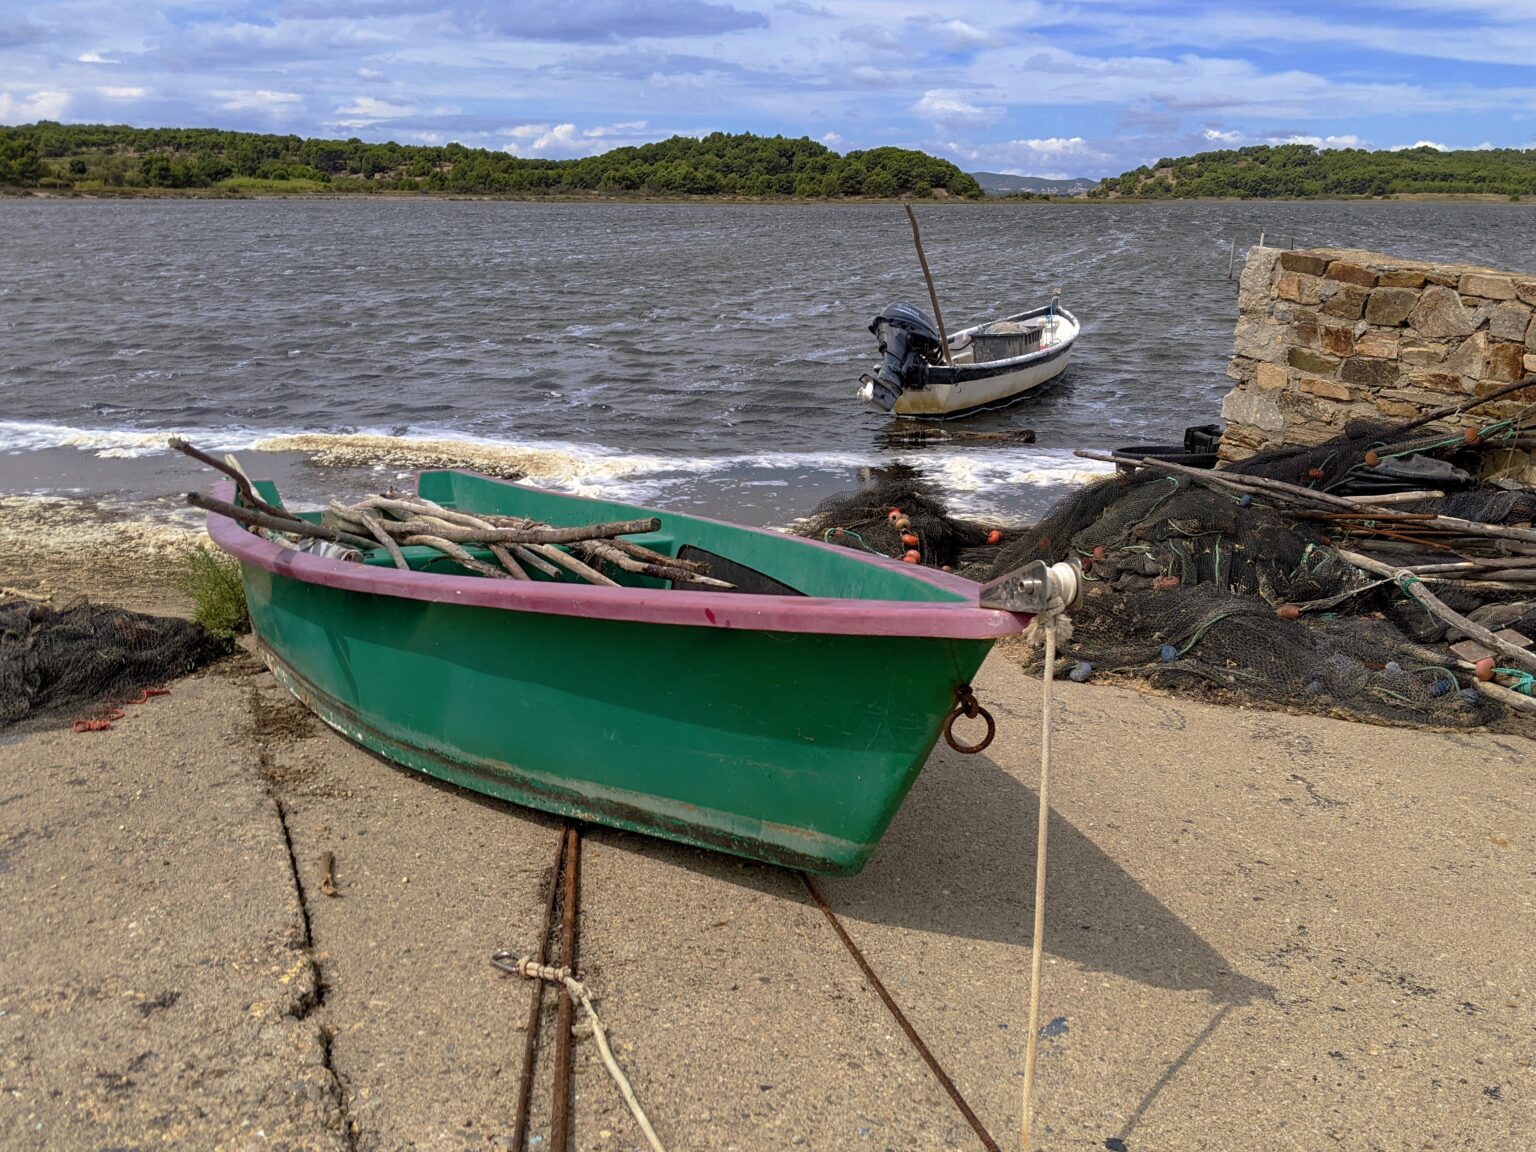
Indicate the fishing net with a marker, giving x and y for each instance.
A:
(1196, 588)
(85, 655)
(863, 521)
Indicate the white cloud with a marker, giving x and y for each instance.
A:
(832, 140)
(946, 106)
(1218, 137)
(1419, 144)
(623, 128)
(1317, 141)
(38, 106)
(1050, 157)
(370, 108)
(566, 141)
(122, 93)
(958, 36)
(1057, 146)
(258, 100)
(372, 75)
(93, 58)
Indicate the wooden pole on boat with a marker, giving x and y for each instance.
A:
(1231, 259)
(933, 296)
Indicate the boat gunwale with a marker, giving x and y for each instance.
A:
(838, 616)
(1001, 367)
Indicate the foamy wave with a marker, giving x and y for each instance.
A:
(565, 466)
(973, 476)
(109, 443)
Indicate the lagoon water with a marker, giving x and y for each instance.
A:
(700, 356)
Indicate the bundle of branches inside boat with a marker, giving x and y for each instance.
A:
(508, 547)
(1388, 574)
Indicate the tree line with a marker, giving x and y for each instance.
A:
(101, 157)
(1301, 171)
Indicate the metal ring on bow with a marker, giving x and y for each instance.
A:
(966, 705)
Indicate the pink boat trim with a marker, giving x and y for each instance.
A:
(957, 619)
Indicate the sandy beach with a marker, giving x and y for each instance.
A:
(1263, 931)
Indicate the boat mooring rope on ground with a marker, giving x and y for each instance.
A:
(527, 966)
(1051, 625)
(917, 1041)
(567, 875)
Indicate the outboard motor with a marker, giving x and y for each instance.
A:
(908, 343)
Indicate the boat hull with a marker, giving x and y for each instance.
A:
(968, 388)
(972, 394)
(795, 748)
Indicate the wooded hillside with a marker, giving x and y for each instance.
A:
(99, 157)
(1300, 171)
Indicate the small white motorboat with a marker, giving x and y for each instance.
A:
(990, 366)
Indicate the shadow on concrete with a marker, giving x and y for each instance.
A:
(959, 861)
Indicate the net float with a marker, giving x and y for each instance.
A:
(1288, 612)
(913, 556)
(994, 537)
(909, 540)
(902, 523)
(1165, 583)
(1372, 459)
(1483, 669)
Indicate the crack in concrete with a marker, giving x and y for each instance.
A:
(310, 1003)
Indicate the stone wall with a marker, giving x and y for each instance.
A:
(1326, 336)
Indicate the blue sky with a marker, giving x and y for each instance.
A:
(1089, 87)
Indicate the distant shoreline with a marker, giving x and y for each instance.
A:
(15, 193)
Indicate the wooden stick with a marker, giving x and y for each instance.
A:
(459, 556)
(1242, 482)
(642, 553)
(1466, 405)
(545, 535)
(252, 517)
(1525, 586)
(1467, 527)
(1508, 696)
(1396, 498)
(1413, 587)
(567, 561)
(417, 506)
(242, 482)
(512, 566)
(531, 558)
(387, 541)
(933, 296)
(602, 550)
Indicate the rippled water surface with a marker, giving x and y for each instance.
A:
(690, 354)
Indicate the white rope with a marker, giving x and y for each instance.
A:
(578, 992)
(1052, 623)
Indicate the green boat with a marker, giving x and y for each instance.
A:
(784, 721)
